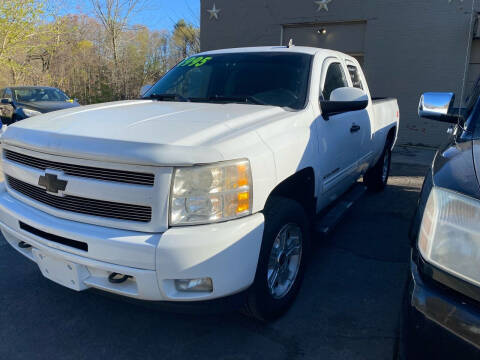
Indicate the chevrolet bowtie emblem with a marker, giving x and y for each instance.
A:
(52, 183)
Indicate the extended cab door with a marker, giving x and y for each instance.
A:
(362, 138)
(337, 137)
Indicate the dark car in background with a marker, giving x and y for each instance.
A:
(21, 102)
(441, 317)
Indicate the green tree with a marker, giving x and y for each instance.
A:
(186, 38)
(19, 20)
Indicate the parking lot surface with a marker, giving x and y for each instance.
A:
(348, 307)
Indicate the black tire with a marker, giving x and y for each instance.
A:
(280, 214)
(376, 178)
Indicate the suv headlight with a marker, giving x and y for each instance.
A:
(30, 113)
(211, 193)
(450, 234)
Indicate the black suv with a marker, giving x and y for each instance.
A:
(18, 103)
(441, 315)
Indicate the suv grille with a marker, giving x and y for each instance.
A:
(82, 205)
(129, 177)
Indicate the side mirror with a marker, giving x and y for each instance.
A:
(438, 106)
(144, 89)
(343, 100)
(5, 101)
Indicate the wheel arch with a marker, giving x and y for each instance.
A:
(391, 137)
(299, 187)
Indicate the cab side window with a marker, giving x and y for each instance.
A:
(334, 79)
(355, 76)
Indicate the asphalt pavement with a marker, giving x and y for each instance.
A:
(348, 307)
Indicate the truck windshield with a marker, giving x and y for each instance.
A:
(276, 79)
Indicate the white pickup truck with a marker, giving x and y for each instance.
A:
(204, 188)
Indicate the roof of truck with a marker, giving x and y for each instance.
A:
(291, 49)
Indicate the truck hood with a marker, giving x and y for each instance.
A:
(142, 132)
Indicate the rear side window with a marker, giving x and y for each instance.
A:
(355, 76)
(334, 79)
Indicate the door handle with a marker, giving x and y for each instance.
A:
(354, 128)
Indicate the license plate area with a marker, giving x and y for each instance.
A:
(63, 272)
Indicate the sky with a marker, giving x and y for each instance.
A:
(155, 14)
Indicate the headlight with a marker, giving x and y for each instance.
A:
(450, 234)
(31, 113)
(211, 193)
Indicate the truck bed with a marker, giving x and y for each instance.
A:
(377, 100)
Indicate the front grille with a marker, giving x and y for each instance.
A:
(82, 205)
(129, 177)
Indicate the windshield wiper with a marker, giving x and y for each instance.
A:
(170, 97)
(230, 99)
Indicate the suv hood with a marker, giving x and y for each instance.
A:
(476, 162)
(47, 106)
(456, 166)
(142, 132)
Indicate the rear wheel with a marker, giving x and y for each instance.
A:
(376, 178)
(282, 260)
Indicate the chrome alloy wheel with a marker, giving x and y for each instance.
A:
(284, 261)
(386, 165)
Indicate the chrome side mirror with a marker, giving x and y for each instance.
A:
(144, 89)
(437, 106)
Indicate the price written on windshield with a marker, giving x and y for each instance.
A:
(196, 61)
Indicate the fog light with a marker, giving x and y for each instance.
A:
(194, 285)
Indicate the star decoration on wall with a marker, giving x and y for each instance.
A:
(214, 12)
(322, 4)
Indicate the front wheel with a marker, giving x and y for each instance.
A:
(376, 178)
(282, 260)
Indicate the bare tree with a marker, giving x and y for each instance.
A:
(75, 52)
(114, 16)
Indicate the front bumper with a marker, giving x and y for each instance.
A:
(226, 252)
(438, 323)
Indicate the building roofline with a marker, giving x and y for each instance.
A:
(293, 49)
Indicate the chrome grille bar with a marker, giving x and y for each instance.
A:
(82, 205)
(129, 177)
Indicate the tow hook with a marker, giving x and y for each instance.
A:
(116, 278)
(24, 245)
